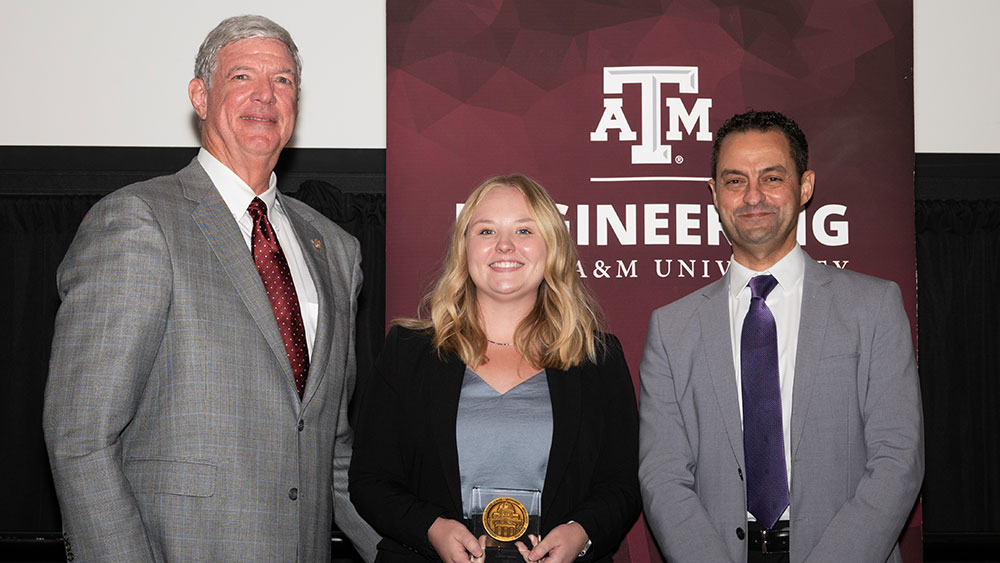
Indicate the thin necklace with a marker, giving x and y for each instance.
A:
(499, 343)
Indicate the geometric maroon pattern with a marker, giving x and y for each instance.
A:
(477, 88)
(486, 87)
(277, 278)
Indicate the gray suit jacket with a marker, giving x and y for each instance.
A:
(172, 422)
(857, 430)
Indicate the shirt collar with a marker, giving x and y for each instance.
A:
(788, 271)
(234, 191)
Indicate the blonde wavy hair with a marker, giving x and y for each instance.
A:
(564, 327)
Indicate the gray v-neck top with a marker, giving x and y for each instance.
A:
(503, 439)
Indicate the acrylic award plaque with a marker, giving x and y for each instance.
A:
(505, 516)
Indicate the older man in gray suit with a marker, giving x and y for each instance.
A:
(203, 359)
(780, 407)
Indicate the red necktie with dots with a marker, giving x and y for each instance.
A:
(277, 278)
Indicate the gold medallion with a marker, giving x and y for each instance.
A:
(505, 519)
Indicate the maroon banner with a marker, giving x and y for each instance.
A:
(613, 107)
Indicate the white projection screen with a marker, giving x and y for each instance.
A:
(115, 73)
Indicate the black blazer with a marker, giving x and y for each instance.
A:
(404, 472)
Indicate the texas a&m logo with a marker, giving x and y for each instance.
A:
(652, 149)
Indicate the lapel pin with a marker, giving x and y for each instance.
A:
(317, 243)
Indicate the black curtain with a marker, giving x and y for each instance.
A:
(362, 215)
(958, 267)
(35, 232)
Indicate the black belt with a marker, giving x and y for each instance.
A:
(775, 540)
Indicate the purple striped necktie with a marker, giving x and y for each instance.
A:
(763, 439)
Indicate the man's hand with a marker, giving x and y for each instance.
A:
(454, 543)
(562, 545)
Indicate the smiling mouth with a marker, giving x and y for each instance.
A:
(505, 265)
(755, 213)
(257, 119)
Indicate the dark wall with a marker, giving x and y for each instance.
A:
(45, 191)
(99, 170)
(44, 194)
(958, 278)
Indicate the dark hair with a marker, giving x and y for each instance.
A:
(764, 121)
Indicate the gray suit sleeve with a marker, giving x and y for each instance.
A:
(115, 282)
(867, 526)
(671, 506)
(362, 536)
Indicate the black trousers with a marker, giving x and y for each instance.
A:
(758, 557)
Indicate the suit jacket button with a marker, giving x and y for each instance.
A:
(302, 424)
(293, 493)
(739, 533)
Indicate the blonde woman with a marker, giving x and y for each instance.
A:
(504, 379)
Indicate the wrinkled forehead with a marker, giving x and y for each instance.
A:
(265, 51)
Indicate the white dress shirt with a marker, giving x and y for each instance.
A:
(238, 195)
(785, 303)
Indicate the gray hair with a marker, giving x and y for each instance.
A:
(233, 29)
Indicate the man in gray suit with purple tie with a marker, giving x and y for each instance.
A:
(203, 358)
(780, 414)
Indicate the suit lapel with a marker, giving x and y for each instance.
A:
(225, 239)
(445, 391)
(717, 342)
(813, 318)
(564, 390)
(330, 296)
